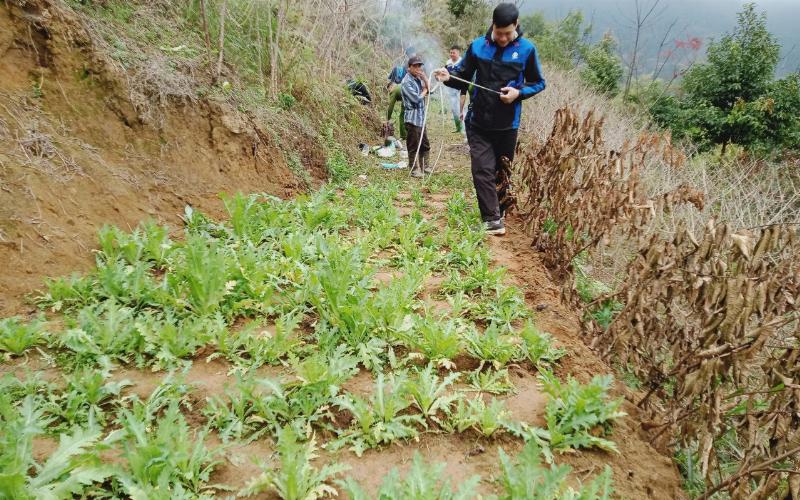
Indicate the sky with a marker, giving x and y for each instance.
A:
(695, 18)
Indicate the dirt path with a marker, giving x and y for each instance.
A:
(640, 471)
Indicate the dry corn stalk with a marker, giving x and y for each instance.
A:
(574, 194)
(710, 323)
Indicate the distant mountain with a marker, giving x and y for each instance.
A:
(705, 19)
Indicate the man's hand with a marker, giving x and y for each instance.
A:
(441, 74)
(424, 78)
(509, 94)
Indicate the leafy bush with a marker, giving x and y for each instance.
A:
(437, 340)
(538, 347)
(162, 454)
(603, 70)
(577, 415)
(423, 482)
(490, 382)
(528, 478)
(494, 345)
(297, 478)
(486, 419)
(17, 336)
(70, 470)
(103, 333)
(381, 419)
(88, 396)
(429, 392)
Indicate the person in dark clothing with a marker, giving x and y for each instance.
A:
(359, 90)
(414, 88)
(508, 64)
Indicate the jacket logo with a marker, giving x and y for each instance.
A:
(515, 55)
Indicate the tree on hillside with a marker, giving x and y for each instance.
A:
(644, 15)
(562, 44)
(603, 70)
(733, 98)
(458, 21)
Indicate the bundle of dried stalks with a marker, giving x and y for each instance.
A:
(709, 319)
(713, 326)
(575, 194)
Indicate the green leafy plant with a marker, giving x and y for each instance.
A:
(437, 340)
(479, 278)
(17, 386)
(415, 243)
(255, 406)
(297, 478)
(17, 336)
(271, 349)
(465, 248)
(161, 453)
(379, 420)
(67, 293)
(429, 392)
(424, 481)
(73, 467)
(204, 273)
(339, 291)
(506, 307)
(462, 214)
(248, 409)
(493, 345)
(169, 339)
(528, 478)
(129, 284)
(577, 415)
(605, 312)
(89, 394)
(490, 382)
(486, 419)
(149, 241)
(102, 333)
(538, 347)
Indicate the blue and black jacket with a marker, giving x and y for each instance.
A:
(515, 65)
(397, 74)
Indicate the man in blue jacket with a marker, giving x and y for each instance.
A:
(506, 63)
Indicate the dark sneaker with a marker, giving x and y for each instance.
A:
(496, 227)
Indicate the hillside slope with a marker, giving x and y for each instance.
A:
(85, 141)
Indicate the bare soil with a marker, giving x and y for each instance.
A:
(76, 152)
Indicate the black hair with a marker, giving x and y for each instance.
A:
(455, 47)
(505, 14)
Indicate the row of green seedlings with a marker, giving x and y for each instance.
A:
(301, 264)
(157, 455)
(181, 294)
(329, 280)
(527, 477)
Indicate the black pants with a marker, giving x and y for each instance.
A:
(486, 147)
(417, 137)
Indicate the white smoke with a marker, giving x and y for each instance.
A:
(402, 28)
